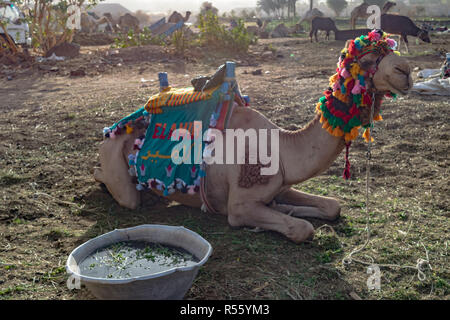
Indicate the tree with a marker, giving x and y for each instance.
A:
(268, 6)
(208, 7)
(337, 6)
(48, 20)
(291, 7)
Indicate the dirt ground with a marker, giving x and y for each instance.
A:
(51, 125)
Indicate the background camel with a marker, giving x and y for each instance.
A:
(114, 24)
(403, 26)
(361, 12)
(128, 22)
(311, 14)
(259, 29)
(324, 24)
(176, 17)
(90, 24)
(274, 204)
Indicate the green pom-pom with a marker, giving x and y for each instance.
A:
(357, 99)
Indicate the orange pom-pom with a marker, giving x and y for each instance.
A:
(367, 136)
(337, 132)
(378, 117)
(129, 129)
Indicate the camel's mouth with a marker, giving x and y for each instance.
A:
(395, 89)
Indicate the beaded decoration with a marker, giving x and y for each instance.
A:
(340, 108)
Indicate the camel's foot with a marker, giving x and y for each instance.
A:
(304, 205)
(300, 231)
(330, 214)
(257, 215)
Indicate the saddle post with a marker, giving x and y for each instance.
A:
(163, 81)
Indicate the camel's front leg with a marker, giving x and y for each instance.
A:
(305, 205)
(250, 214)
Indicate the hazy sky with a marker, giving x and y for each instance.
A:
(180, 5)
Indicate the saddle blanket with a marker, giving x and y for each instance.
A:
(153, 163)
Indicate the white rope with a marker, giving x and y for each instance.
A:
(421, 263)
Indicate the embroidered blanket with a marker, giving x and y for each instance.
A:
(153, 163)
(208, 105)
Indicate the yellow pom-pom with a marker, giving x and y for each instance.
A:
(355, 70)
(367, 136)
(397, 53)
(129, 129)
(333, 79)
(318, 105)
(340, 96)
(322, 119)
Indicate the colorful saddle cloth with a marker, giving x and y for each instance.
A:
(153, 163)
(190, 109)
(175, 97)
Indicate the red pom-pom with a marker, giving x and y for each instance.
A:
(352, 49)
(350, 85)
(367, 100)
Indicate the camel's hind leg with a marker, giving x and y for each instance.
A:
(258, 215)
(304, 205)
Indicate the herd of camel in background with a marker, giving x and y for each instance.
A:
(390, 23)
(90, 22)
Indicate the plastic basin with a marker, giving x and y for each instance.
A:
(171, 284)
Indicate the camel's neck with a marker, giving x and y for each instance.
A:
(308, 152)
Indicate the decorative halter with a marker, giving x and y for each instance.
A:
(351, 89)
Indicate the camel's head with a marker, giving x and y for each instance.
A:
(391, 74)
(377, 60)
(388, 5)
(368, 69)
(424, 36)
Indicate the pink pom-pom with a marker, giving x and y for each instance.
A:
(345, 74)
(336, 86)
(374, 36)
(357, 88)
(392, 43)
(112, 135)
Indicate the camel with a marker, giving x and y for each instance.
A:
(272, 205)
(129, 22)
(89, 24)
(259, 29)
(176, 17)
(361, 12)
(114, 24)
(311, 14)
